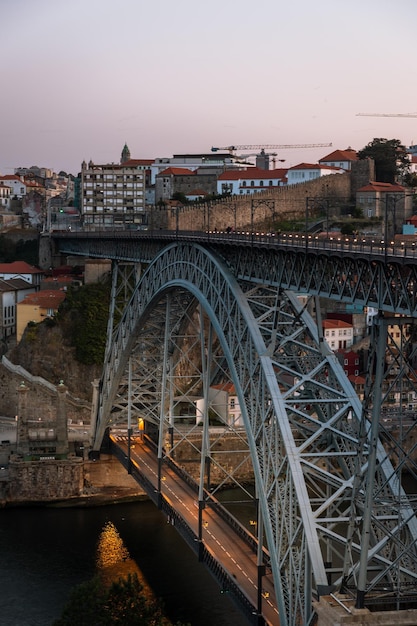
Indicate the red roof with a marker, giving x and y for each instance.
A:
(177, 171)
(253, 173)
(46, 299)
(382, 187)
(341, 155)
(314, 166)
(357, 380)
(11, 177)
(336, 324)
(19, 267)
(227, 387)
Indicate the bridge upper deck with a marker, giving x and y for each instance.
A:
(364, 271)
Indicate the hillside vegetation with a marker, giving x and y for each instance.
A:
(69, 347)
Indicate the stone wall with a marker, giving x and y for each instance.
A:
(238, 211)
(43, 481)
(42, 399)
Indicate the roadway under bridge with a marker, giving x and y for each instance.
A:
(217, 312)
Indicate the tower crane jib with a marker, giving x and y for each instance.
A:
(386, 114)
(270, 147)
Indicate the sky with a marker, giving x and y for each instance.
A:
(80, 79)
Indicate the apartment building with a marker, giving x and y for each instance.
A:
(338, 334)
(113, 195)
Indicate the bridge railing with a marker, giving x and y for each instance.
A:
(229, 585)
(135, 471)
(375, 246)
(221, 511)
(226, 580)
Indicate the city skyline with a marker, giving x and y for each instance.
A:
(81, 79)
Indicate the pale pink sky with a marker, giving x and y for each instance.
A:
(81, 78)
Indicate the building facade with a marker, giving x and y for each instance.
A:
(250, 181)
(112, 196)
(338, 334)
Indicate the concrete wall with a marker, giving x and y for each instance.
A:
(333, 613)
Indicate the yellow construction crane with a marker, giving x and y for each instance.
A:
(232, 149)
(387, 114)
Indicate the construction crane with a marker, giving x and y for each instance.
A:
(386, 114)
(271, 147)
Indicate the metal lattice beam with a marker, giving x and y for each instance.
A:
(301, 416)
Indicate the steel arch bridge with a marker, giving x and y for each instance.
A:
(331, 502)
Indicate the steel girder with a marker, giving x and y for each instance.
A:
(302, 418)
(348, 274)
(365, 280)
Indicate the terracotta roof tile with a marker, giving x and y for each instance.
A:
(336, 324)
(46, 299)
(254, 173)
(382, 187)
(341, 155)
(19, 267)
(177, 171)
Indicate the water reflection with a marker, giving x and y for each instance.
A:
(113, 560)
(111, 549)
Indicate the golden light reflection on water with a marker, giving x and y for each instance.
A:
(114, 561)
(111, 549)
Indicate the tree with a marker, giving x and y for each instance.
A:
(391, 159)
(122, 603)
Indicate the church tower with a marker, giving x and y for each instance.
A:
(125, 154)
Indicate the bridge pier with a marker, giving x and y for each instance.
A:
(335, 610)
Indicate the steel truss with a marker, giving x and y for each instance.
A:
(191, 325)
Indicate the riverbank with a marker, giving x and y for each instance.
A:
(106, 482)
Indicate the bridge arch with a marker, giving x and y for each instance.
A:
(301, 417)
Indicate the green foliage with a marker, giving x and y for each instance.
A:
(86, 309)
(390, 156)
(22, 250)
(31, 332)
(410, 179)
(123, 603)
(357, 212)
(180, 197)
(347, 229)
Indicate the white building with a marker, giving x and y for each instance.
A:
(338, 334)
(11, 293)
(17, 184)
(223, 402)
(249, 181)
(112, 195)
(304, 172)
(215, 162)
(5, 194)
(340, 158)
(20, 269)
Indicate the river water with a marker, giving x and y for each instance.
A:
(45, 552)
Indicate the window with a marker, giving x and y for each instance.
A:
(346, 362)
(232, 403)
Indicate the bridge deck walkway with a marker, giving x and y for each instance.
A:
(233, 554)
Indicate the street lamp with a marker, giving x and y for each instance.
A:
(256, 203)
